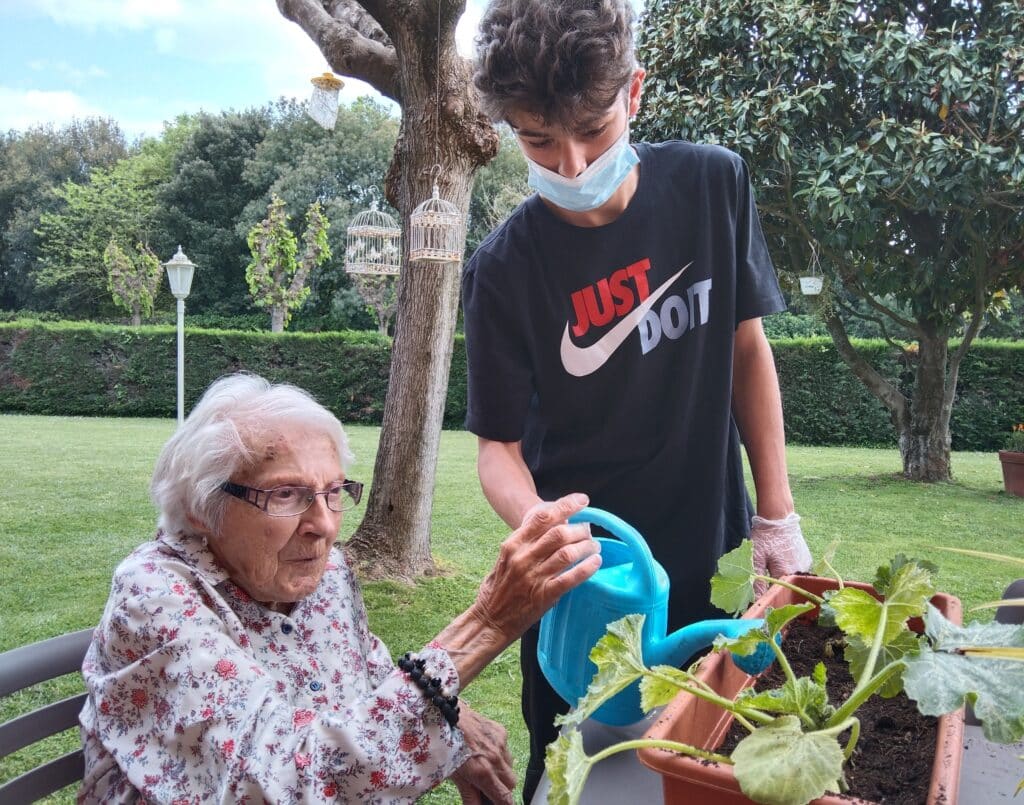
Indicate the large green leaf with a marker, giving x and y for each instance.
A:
(886, 576)
(776, 619)
(857, 651)
(661, 686)
(732, 587)
(620, 662)
(744, 645)
(941, 678)
(806, 696)
(567, 767)
(778, 764)
(909, 586)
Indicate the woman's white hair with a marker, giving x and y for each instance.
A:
(223, 434)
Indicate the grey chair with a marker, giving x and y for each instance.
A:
(25, 666)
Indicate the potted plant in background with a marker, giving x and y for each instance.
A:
(1012, 459)
(898, 635)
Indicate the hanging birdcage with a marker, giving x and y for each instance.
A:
(323, 105)
(436, 231)
(373, 244)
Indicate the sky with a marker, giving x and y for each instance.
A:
(143, 62)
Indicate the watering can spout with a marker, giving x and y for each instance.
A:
(682, 644)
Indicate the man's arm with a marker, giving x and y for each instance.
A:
(779, 546)
(506, 480)
(757, 408)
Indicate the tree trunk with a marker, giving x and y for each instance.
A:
(442, 140)
(136, 317)
(924, 438)
(277, 319)
(922, 423)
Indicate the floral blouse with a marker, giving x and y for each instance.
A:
(197, 693)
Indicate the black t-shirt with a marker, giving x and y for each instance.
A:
(608, 352)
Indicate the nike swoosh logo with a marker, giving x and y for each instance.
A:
(582, 361)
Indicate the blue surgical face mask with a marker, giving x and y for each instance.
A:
(592, 188)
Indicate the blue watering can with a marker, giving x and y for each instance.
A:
(629, 581)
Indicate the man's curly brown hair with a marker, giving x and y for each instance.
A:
(563, 61)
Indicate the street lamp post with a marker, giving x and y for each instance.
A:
(179, 275)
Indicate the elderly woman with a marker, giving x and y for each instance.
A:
(233, 662)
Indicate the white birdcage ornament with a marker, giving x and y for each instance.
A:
(436, 231)
(373, 244)
(323, 104)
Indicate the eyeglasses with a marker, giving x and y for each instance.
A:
(287, 501)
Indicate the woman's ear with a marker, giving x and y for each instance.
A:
(200, 527)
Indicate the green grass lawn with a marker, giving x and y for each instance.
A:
(75, 501)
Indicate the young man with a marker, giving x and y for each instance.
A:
(613, 322)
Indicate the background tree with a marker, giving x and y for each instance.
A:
(344, 170)
(200, 205)
(406, 50)
(33, 165)
(498, 188)
(112, 204)
(886, 135)
(276, 279)
(378, 291)
(133, 278)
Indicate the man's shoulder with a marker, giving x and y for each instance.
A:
(506, 243)
(687, 156)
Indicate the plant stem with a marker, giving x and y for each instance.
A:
(783, 661)
(854, 737)
(671, 746)
(858, 697)
(799, 590)
(742, 714)
(876, 646)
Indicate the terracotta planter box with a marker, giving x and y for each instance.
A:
(694, 721)
(1013, 471)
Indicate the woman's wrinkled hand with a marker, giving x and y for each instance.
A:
(487, 775)
(542, 559)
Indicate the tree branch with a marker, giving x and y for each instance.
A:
(886, 392)
(876, 319)
(351, 40)
(906, 324)
(977, 320)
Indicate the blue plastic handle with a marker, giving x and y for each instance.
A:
(627, 534)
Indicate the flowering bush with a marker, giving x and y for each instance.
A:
(1015, 441)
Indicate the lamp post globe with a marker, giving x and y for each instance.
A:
(179, 274)
(180, 271)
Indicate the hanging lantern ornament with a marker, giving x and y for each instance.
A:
(323, 105)
(373, 244)
(436, 231)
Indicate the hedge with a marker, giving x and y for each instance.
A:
(103, 370)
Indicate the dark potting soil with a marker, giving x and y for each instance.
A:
(892, 763)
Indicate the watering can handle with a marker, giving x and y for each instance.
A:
(643, 561)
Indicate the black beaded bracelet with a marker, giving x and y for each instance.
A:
(431, 687)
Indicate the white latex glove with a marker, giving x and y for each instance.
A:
(779, 548)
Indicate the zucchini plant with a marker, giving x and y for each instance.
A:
(798, 741)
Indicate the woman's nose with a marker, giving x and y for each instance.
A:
(318, 520)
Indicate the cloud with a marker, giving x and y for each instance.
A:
(109, 14)
(21, 109)
(71, 74)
